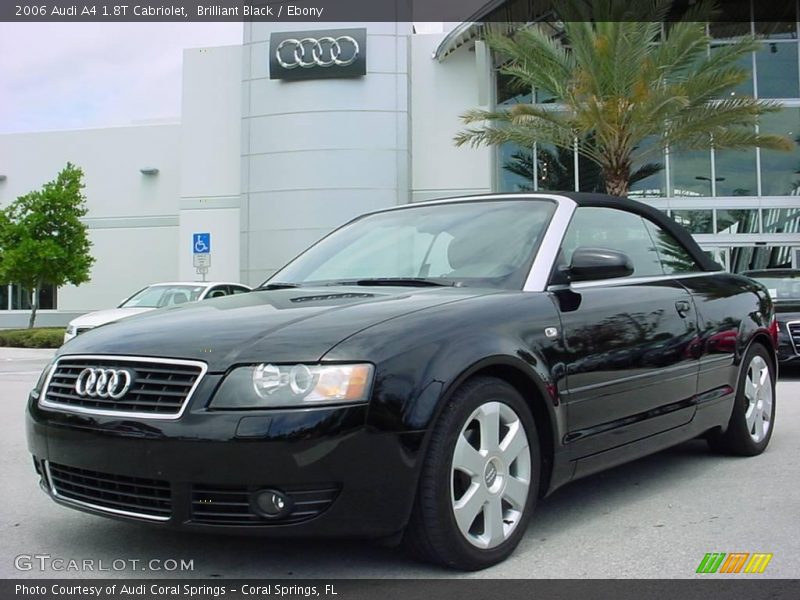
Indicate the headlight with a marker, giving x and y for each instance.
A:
(37, 389)
(292, 386)
(71, 329)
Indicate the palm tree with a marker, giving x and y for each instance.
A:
(618, 80)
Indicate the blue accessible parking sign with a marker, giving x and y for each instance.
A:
(201, 243)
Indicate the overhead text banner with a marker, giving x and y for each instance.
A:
(337, 10)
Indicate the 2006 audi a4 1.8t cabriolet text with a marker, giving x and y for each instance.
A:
(423, 373)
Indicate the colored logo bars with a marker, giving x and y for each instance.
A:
(735, 562)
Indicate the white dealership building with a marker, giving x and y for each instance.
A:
(268, 158)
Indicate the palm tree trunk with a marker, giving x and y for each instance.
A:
(618, 181)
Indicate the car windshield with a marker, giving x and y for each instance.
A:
(159, 296)
(781, 287)
(476, 243)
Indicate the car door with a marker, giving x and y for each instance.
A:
(630, 368)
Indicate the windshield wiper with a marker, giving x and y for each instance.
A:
(278, 286)
(403, 281)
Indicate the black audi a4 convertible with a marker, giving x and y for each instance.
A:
(423, 373)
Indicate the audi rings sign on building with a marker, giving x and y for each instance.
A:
(103, 383)
(312, 52)
(329, 54)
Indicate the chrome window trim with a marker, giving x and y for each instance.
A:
(67, 408)
(492, 197)
(789, 331)
(548, 250)
(115, 511)
(633, 280)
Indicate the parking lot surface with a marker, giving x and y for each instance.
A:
(654, 518)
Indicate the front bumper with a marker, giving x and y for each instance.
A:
(345, 478)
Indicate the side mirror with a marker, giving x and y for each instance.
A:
(590, 264)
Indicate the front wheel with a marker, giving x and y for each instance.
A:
(753, 417)
(480, 479)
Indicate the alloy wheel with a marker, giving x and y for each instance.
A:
(491, 475)
(758, 393)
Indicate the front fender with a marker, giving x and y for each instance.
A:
(421, 359)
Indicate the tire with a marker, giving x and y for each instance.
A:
(753, 418)
(465, 472)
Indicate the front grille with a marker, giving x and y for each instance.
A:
(160, 388)
(118, 494)
(794, 333)
(230, 505)
(81, 330)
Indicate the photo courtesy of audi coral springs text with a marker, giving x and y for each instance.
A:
(424, 373)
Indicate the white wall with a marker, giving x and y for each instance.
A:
(132, 219)
(210, 159)
(128, 259)
(439, 94)
(316, 153)
(110, 158)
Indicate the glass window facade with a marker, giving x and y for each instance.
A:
(695, 221)
(774, 73)
(516, 172)
(732, 221)
(556, 168)
(781, 220)
(777, 70)
(14, 297)
(747, 258)
(690, 174)
(735, 172)
(779, 170)
(746, 62)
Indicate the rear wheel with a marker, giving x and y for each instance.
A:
(753, 417)
(480, 479)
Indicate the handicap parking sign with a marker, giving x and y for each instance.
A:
(201, 243)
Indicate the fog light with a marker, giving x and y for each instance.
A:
(271, 504)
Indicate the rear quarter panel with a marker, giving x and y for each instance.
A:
(732, 312)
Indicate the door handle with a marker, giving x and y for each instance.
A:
(683, 307)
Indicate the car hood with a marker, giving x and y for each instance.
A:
(290, 325)
(101, 317)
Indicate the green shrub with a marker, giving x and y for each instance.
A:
(39, 337)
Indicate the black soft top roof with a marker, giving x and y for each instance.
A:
(772, 273)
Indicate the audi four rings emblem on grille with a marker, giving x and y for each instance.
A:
(310, 52)
(103, 383)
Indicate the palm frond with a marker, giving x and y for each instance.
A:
(617, 81)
